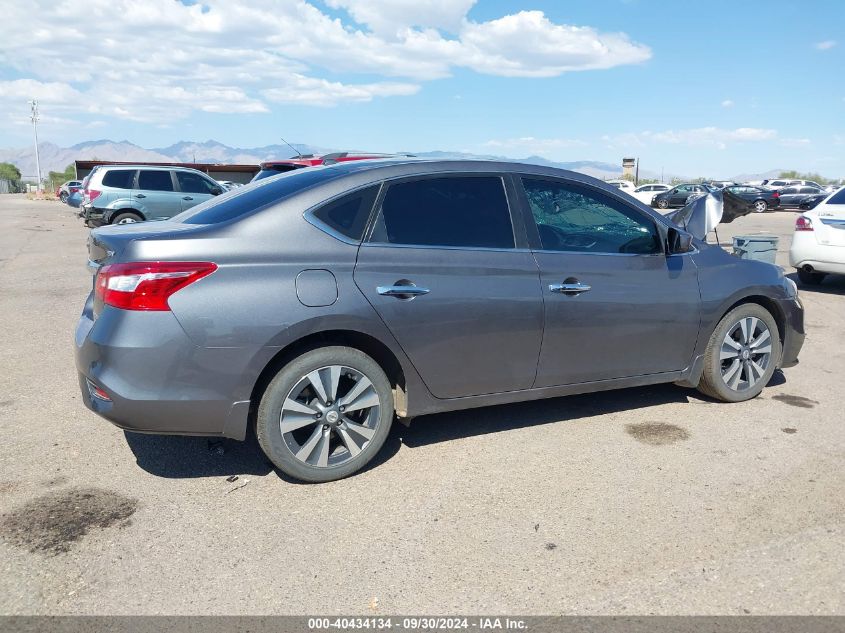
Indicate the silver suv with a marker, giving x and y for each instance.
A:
(121, 194)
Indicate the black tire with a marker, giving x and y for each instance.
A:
(125, 217)
(810, 278)
(663, 204)
(269, 416)
(712, 383)
(63, 197)
(761, 206)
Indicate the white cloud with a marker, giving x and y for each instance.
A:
(701, 137)
(727, 103)
(160, 60)
(795, 142)
(825, 45)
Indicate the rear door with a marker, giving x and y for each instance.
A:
(458, 290)
(156, 190)
(195, 188)
(615, 305)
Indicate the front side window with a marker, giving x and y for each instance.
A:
(155, 180)
(460, 211)
(579, 219)
(119, 178)
(193, 183)
(348, 215)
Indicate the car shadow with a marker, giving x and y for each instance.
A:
(830, 285)
(193, 457)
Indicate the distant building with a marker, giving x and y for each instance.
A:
(233, 173)
(628, 165)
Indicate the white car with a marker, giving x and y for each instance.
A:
(625, 185)
(818, 245)
(644, 193)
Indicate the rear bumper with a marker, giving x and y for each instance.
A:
(156, 379)
(824, 258)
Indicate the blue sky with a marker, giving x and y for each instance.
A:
(699, 88)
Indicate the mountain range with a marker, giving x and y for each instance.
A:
(55, 158)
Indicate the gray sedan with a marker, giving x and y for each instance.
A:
(314, 307)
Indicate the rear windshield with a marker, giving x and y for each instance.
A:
(275, 171)
(244, 200)
(838, 197)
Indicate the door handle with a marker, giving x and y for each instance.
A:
(402, 292)
(570, 288)
(140, 195)
(187, 198)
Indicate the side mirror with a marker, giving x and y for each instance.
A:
(216, 190)
(678, 241)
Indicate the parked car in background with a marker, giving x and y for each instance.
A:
(812, 200)
(228, 185)
(315, 306)
(721, 184)
(679, 195)
(818, 245)
(646, 193)
(780, 183)
(761, 198)
(75, 199)
(64, 191)
(123, 194)
(625, 185)
(276, 167)
(792, 196)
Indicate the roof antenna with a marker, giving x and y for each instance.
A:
(298, 153)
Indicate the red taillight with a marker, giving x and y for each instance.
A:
(92, 194)
(775, 194)
(803, 224)
(147, 285)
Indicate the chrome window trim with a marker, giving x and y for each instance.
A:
(448, 248)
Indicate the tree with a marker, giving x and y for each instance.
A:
(59, 177)
(9, 172)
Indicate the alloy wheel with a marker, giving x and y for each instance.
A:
(329, 416)
(127, 221)
(745, 353)
(760, 206)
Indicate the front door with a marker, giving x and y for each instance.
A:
(442, 271)
(195, 188)
(615, 305)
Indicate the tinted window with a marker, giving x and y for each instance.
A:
(244, 200)
(155, 181)
(582, 220)
(809, 190)
(348, 216)
(119, 178)
(469, 211)
(789, 190)
(194, 183)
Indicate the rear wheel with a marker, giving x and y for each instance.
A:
(761, 206)
(63, 197)
(326, 414)
(126, 217)
(810, 278)
(742, 354)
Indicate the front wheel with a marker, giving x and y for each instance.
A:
(761, 206)
(326, 414)
(63, 197)
(742, 354)
(663, 204)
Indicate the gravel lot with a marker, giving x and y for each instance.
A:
(647, 500)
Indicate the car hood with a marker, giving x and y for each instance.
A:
(701, 215)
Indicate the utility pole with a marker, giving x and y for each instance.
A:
(34, 106)
(637, 177)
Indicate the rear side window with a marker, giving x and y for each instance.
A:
(155, 180)
(193, 183)
(461, 211)
(348, 215)
(838, 197)
(119, 178)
